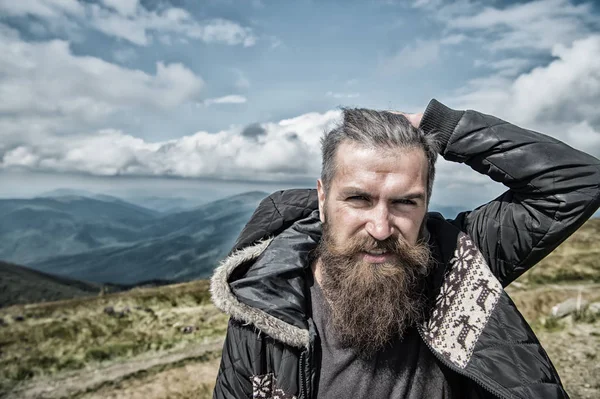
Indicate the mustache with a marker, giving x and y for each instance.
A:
(370, 244)
(409, 255)
(356, 245)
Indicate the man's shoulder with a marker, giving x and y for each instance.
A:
(277, 212)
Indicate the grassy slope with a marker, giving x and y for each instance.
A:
(575, 260)
(69, 335)
(19, 284)
(77, 334)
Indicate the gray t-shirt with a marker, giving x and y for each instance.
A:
(406, 370)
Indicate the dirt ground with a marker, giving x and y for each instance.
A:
(575, 351)
(132, 376)
(194, 380)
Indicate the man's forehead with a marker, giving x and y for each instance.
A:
(356, 159)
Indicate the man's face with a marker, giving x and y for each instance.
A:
(371, 263)
(379, 193)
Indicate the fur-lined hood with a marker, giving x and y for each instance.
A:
(265, 283)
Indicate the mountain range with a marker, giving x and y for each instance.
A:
(108, 240)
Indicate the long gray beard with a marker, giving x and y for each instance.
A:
(372, 303)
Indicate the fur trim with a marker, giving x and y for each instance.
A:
(224, 299)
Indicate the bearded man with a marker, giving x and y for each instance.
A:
(355, 290)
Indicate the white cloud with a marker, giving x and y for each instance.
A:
(45, 87)
(241, 81)
(131, 21)
(536, 25)
(275, 42)
(413, 56)
(454, 39)
(42, 8)
(289, 148)
(505, 66)
(124, 55)
(342, 95)
(560, 98)
(221, 30)
(230, 99)
(123, 7)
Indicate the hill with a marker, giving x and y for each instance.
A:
(19, 284)
(22, 285)
(180, 246)
(34, 229)
(575, 260)
(154, 325)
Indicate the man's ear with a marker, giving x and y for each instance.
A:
(321, 194)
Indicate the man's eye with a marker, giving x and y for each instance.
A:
(406, 202)
(358, 198)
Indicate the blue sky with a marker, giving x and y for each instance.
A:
(120, 94)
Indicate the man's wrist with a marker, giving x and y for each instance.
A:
(440, 121)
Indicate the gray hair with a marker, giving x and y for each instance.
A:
(376, 129)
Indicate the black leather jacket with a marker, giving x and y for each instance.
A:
(270, 346)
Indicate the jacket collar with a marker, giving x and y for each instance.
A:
(265, 284)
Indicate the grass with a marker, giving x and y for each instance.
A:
(69, 335)
(575, 260)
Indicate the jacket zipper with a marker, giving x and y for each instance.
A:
(458, 370)
(303, 391)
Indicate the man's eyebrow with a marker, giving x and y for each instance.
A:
(349, 191)
(419, 196)
(355, 191)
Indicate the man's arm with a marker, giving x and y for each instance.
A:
(552, 188)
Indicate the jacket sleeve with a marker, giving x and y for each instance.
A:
(235, 371)
(552, 188)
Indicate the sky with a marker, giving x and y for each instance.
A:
(224, 96)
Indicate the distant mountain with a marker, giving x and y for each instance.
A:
(112, 241)
(61, 192)
(165, 204)
(19, 284)
(34, 229)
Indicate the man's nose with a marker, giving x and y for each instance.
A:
(379, 225)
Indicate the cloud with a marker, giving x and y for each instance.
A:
(505, 66)
(42, 8)
(123, 7)
(230, 99)
(46, 88)
(285, 149)
(342, 95)
(413, 56)
(221, 30)
(560, 98)
(124, 55)
(241, 81)
(254, 130)
(131, 21)
(536, 25)
(454, 39)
